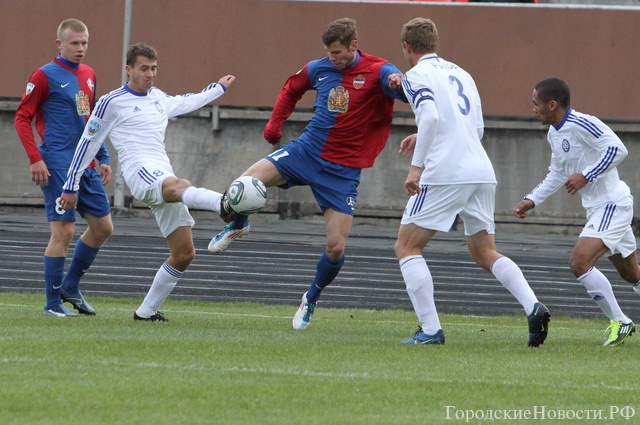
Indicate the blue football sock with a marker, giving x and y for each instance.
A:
(83, 257)
(326, 271)
(53, 272)
(241, 221)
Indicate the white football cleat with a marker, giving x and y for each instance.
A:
(223, 239)
(303, 316)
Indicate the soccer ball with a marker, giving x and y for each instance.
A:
(247, 195)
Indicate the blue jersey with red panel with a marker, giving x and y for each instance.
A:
(352, 111)
(60, 96)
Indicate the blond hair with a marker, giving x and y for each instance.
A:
(421, 34)
(71, 24)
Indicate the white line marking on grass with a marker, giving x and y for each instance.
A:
(296, 372)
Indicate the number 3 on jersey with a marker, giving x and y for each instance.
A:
(467, 105)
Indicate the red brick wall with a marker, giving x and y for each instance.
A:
(507, 49)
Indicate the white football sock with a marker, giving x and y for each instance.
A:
(201, 199)
(509, 274)
(417, 277)
(164, 282)
(600, 290)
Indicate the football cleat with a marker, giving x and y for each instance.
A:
(422, 338)
(223, 239)
(303, 316)
(538, 325)
(227, 214)
(157, 317)
(618, 333)
(78, 302)
(59, 310)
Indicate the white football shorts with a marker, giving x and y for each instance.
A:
(146, 186)
(612, 224)
(436, 207)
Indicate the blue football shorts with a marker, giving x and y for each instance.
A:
(92, 196)
(333, 185)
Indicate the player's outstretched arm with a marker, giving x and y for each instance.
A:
(292, 91)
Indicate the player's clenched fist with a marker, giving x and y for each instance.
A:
(227, 80)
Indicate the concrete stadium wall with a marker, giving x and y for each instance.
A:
(214, 157)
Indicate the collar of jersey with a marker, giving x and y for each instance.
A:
(355, 62)
(429, 56)
(135, 93)
(74, 66)
(570, 110)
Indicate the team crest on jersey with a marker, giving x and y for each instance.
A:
(83, 105)
(30, 87)
(91, 84)
(358, 82)
(93, 127)
(338, 100)
(566, 145)
(159, 107)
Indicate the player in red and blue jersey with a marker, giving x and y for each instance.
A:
(60, 97)
(350, 126)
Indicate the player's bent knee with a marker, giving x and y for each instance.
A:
(335, 252)
(183, 260)
(104, 231)
(578, 267)
(63, 234)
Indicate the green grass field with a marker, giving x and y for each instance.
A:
(218, 363)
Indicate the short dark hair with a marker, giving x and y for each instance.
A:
(554, 89)
(140, 49)
(342, 30)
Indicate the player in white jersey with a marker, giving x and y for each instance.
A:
(450, 174)
(584, 156)
(135, 118)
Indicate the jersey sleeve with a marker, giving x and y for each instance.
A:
(91, 141)
(36, 93)
(608, 144)
(552, 182)
(183, 104)
(103, 155)
(385, 70)
(292, 91)
(427, 117)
